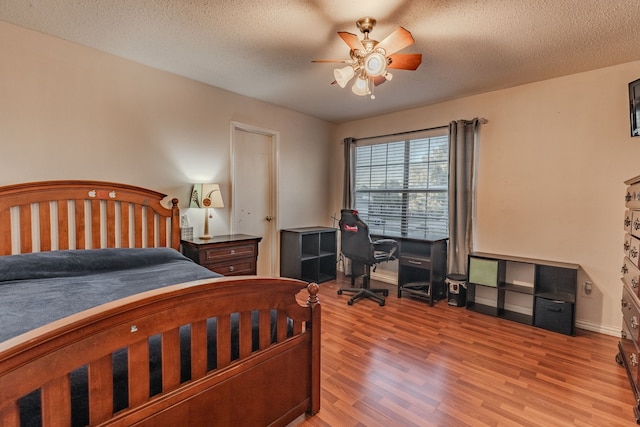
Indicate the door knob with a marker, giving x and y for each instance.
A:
(269, 218)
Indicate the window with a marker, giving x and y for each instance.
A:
(401, 187)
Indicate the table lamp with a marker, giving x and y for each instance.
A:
(206, 196)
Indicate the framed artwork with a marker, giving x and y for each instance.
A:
(634, 107)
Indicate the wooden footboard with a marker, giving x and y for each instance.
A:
(268, 385)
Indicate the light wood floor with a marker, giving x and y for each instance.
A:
(408, 364)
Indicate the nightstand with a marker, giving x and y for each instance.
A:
(229, 255)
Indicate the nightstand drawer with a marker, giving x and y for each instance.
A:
(238, 267)
(228, 252)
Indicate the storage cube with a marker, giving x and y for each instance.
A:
(554, 315)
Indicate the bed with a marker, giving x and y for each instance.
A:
(179, 347)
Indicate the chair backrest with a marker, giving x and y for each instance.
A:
(355, 241)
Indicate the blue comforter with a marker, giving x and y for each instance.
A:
(38, 288)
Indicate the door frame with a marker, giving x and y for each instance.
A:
(273, 186)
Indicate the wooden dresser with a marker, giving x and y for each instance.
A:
(229, 255)
(630, 304)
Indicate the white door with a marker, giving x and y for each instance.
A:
(254, 195)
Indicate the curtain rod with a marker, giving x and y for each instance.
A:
(481, 120)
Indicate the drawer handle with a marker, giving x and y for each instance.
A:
(627, 222)
(634, 282)
(626, 246)
(634, 359)
(623, 303)
(625, 269)
(623, 334)
(627, 198)
(414, 262)
(634, 322)
(231, 268)
(634, 252)
(636, 224)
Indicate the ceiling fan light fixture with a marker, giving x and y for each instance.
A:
(369, 59)
(374, 64)
(343, 75)
(361, 87)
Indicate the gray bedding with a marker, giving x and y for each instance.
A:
(38, 288)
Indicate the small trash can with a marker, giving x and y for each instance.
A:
(457, 289)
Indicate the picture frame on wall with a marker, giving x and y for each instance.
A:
(634, 107)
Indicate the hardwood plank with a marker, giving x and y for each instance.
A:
(45, 226)
(138, 361)
(413, 365)
(80, 225)
(170, 359)
(198, 349)
(26, 240)
(5, 232)
(96, 229)
(101, 389)
(56, 402)
(112, 205)
(63, 224)
(124, 228)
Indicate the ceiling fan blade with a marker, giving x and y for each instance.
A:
(351, 40)
(396, 41)
(331, 60)
(405, 61)
(378, 80)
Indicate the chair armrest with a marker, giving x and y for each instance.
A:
(388, 246)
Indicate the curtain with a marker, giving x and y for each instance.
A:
(347, 184)
(463, 135)
(347, 193)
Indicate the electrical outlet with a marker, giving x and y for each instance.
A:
(587, 288)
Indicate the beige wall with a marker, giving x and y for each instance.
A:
(71, 112)
(551, 166)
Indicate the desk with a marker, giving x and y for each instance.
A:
(229, 255)
(422, 267)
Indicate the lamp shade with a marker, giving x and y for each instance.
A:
(361, 86)
(343, 75)
(206, 196)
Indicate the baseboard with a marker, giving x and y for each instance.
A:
(386, 278)
(602, 329)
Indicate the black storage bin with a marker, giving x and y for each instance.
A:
(554, 315)
(457, 289)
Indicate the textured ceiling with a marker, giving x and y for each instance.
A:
(263, 48)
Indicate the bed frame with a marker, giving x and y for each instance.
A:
(272, 385)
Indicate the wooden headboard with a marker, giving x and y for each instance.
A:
(50, 215)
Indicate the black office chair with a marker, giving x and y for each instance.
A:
(356, 244)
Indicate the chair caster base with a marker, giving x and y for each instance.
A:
(365, 293)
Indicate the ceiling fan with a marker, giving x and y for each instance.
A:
(370, 60)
